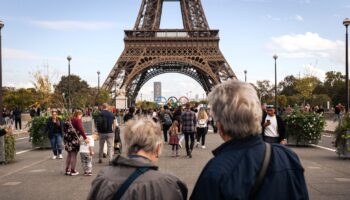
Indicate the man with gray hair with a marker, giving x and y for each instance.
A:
(107, 133)
(244, 167)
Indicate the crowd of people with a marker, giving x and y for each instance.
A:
(245, 166)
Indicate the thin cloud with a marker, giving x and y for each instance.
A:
(74, 25)
(19, 54)
(299, 18)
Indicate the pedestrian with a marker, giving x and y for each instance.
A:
(177, 117)
(129, 115)
(106, 135)
(136, 176)
(54, 127)
(86, 153)
(188, 127)
(273, 128)
(17, 114)
(32, 112)
(174, 138)
(167, 121)
(233, 172)
(202, 127)
(72, 132)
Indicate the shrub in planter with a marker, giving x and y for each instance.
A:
(342, 137)
(38, 135)
(304, 127)
(10, 150)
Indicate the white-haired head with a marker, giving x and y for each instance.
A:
(236, 106)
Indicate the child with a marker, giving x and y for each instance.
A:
(174, 139)
(86, 153)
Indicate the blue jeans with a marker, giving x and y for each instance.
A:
(56, 144)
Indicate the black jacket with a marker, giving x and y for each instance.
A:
(281, 128)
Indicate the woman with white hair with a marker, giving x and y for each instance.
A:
(136, 176)
(244, 167)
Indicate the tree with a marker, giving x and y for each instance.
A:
(79, 91)
(305, 86)
(102, 97)
(21, 98)
(43, 85)
(264, 90)
(287, 86)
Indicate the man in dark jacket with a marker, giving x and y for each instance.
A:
(232, 173)
(273, 127)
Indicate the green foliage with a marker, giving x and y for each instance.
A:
(22, 98)
(37, 130)
(10, 149)
(304, 127)
(102, 97)
(342, 134)
(264, 90)
(306, 86)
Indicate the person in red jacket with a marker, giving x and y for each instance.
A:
(73, 151)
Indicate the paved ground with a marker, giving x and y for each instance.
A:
(35, 176)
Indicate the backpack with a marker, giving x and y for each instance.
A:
(167, 119)
(101, 124)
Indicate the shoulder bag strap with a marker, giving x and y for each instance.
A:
(262, 172)
(139, 171)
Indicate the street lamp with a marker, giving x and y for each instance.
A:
(275, 58)
(346, 23)
(98, 82)
(245, 75)
(1, 26)
(69, 58)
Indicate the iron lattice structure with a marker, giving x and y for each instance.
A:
(150, 51)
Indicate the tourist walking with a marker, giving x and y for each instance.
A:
(273, 128)
(54, 127)
(106, 133)
(188, 127)
(129, 115)
(202, 127)
(233, 172)
(167, 120)
(177, 117)
(17, 114)
(136, 176)
(72, 132)
(174, 138)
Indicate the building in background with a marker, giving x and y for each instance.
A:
(157, 90)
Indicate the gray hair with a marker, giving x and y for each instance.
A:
(236, 106)
(142, 133)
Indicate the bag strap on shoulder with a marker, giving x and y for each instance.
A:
(262, 172)
(139, 171)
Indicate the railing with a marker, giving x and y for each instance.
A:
(171, 33)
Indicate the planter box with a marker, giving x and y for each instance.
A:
(343, 146)
(7, 149)
(44, 142)
(292, 140)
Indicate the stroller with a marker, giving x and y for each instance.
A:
(117, 141)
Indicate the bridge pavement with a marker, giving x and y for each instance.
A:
(35, 176)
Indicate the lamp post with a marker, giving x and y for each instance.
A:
(1, 26)
(346, 23)
(245, 75)
(98, 85)
(69, 58)
(275, 58)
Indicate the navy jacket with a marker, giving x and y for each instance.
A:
(50, 128)
(232, 172)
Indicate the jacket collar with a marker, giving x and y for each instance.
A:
(134, 161)
(237, 144)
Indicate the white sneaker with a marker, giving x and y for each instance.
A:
(54, 157)
(60, 156)
(197, 144)
(203, 147)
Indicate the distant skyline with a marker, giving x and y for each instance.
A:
(307, 35)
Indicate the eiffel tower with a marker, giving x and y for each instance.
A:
(151, 51)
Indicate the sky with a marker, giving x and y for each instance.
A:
(307, 35)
